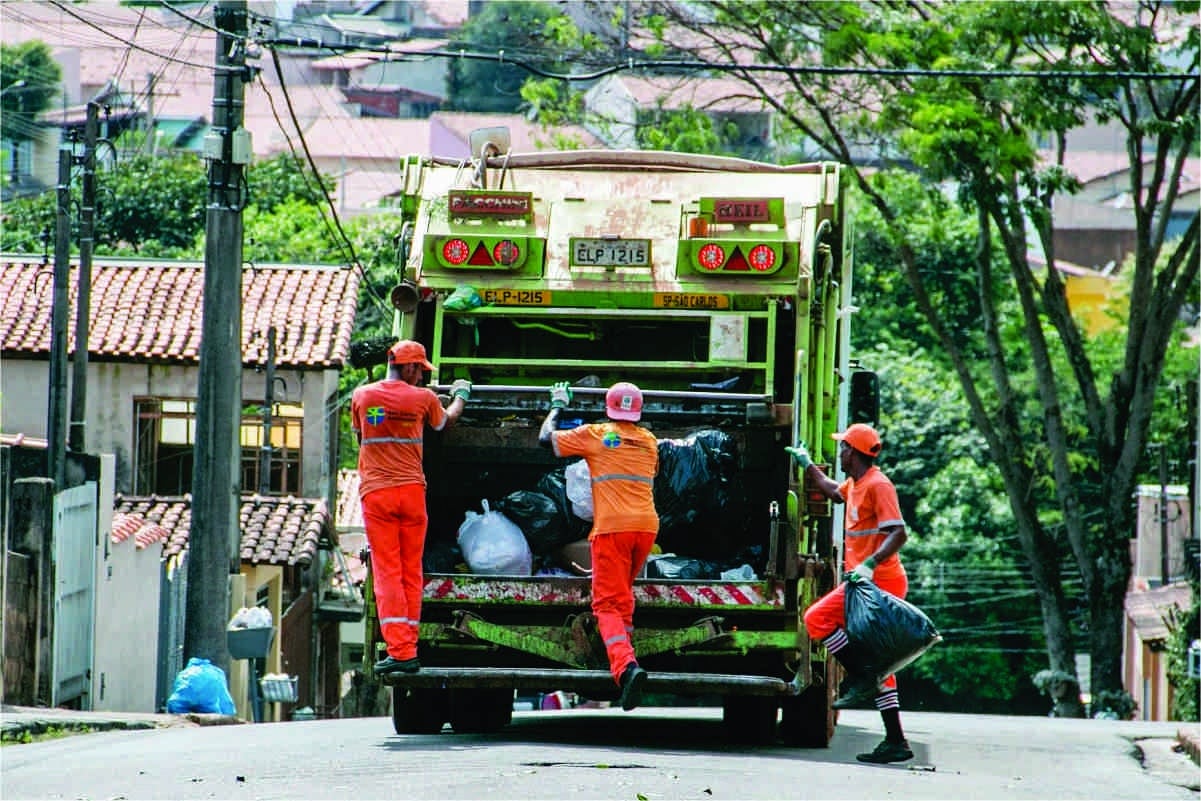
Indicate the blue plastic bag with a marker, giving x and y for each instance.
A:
(200, 687)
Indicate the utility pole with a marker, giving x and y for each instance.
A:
(216, 491)
(76, 437)
(56, 428)
(151, 125)
(268, 406)
(1165, 570)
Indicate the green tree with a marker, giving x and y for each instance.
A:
(29, 83)
(1068, 478)
(520, 29)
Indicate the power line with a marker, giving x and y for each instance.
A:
(123, 41)
(783, 69)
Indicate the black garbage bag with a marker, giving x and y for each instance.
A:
(890, 631)
(554, 486)
(676, 567)
(440, 556)
(699, 496)
(539, 518)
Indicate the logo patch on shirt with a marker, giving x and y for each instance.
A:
(375, 415)
(611, 439)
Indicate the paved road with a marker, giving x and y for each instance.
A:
(605, 754)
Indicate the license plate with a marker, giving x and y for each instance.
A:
(690, 300)
(611, 252)
(516, 297)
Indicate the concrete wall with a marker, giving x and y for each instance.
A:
(112, 387)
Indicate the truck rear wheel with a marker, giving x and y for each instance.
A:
(418, 710)
(807, 720)
(480, 710)
(750, 719)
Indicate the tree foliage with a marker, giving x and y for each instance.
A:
(1068, 468)
(520, 28)
(29, 82)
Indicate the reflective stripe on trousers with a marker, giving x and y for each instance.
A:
(395, 520)
(617, 559)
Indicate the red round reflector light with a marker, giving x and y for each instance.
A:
(711, 257)
(762, 258)
(455, 251)
(505, 252)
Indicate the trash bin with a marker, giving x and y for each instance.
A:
(249, 643)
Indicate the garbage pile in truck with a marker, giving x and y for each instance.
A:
(698, 495)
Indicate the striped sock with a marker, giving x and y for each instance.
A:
(836, 641)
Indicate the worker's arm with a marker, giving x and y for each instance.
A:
(460, 391)
(816, 477)
(895, 537)
(560, 396)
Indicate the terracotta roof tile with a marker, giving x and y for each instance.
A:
(1148, 611)
(151, 311)
(275, 530)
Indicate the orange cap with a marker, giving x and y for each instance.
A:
(862, 438)
(406, 351)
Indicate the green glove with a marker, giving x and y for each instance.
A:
(461, 388)
(800, 453)
(560, 395)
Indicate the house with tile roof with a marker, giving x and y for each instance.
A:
(143, 369)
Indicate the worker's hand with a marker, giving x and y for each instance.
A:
(862, 572)
(461, 388)
(560, 395)
(800, 453)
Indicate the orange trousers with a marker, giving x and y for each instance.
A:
(395, 520)
(617, 558)
(829, 613)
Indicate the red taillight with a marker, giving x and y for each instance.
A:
(505, 252)
(762, 258)
(455, 251)
(711, 257)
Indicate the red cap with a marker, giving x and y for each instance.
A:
(623, 401)
(862, 438)
(406, 351)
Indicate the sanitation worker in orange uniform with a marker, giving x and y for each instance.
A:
(874, 532)
(623, 458)
(389, 418)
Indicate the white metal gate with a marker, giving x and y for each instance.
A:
(74, 590)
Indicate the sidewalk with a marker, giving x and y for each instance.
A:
(19, 722)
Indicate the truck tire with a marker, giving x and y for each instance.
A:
(418, 710)
(807, 720)
(480, 710)
(750, 719)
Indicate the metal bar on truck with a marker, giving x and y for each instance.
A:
(597, 683)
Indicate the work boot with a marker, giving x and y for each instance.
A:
(860, 685)
(887, 751)
(632, 679)
(856, 690)
(390, 664)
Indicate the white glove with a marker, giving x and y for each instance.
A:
(560, 395)
(864, 570)
(801, 454)
(461, 388)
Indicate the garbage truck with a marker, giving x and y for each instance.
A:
(721, 287)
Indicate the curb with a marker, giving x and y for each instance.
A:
(20, 724)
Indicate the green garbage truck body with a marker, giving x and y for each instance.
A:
(720, 287)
